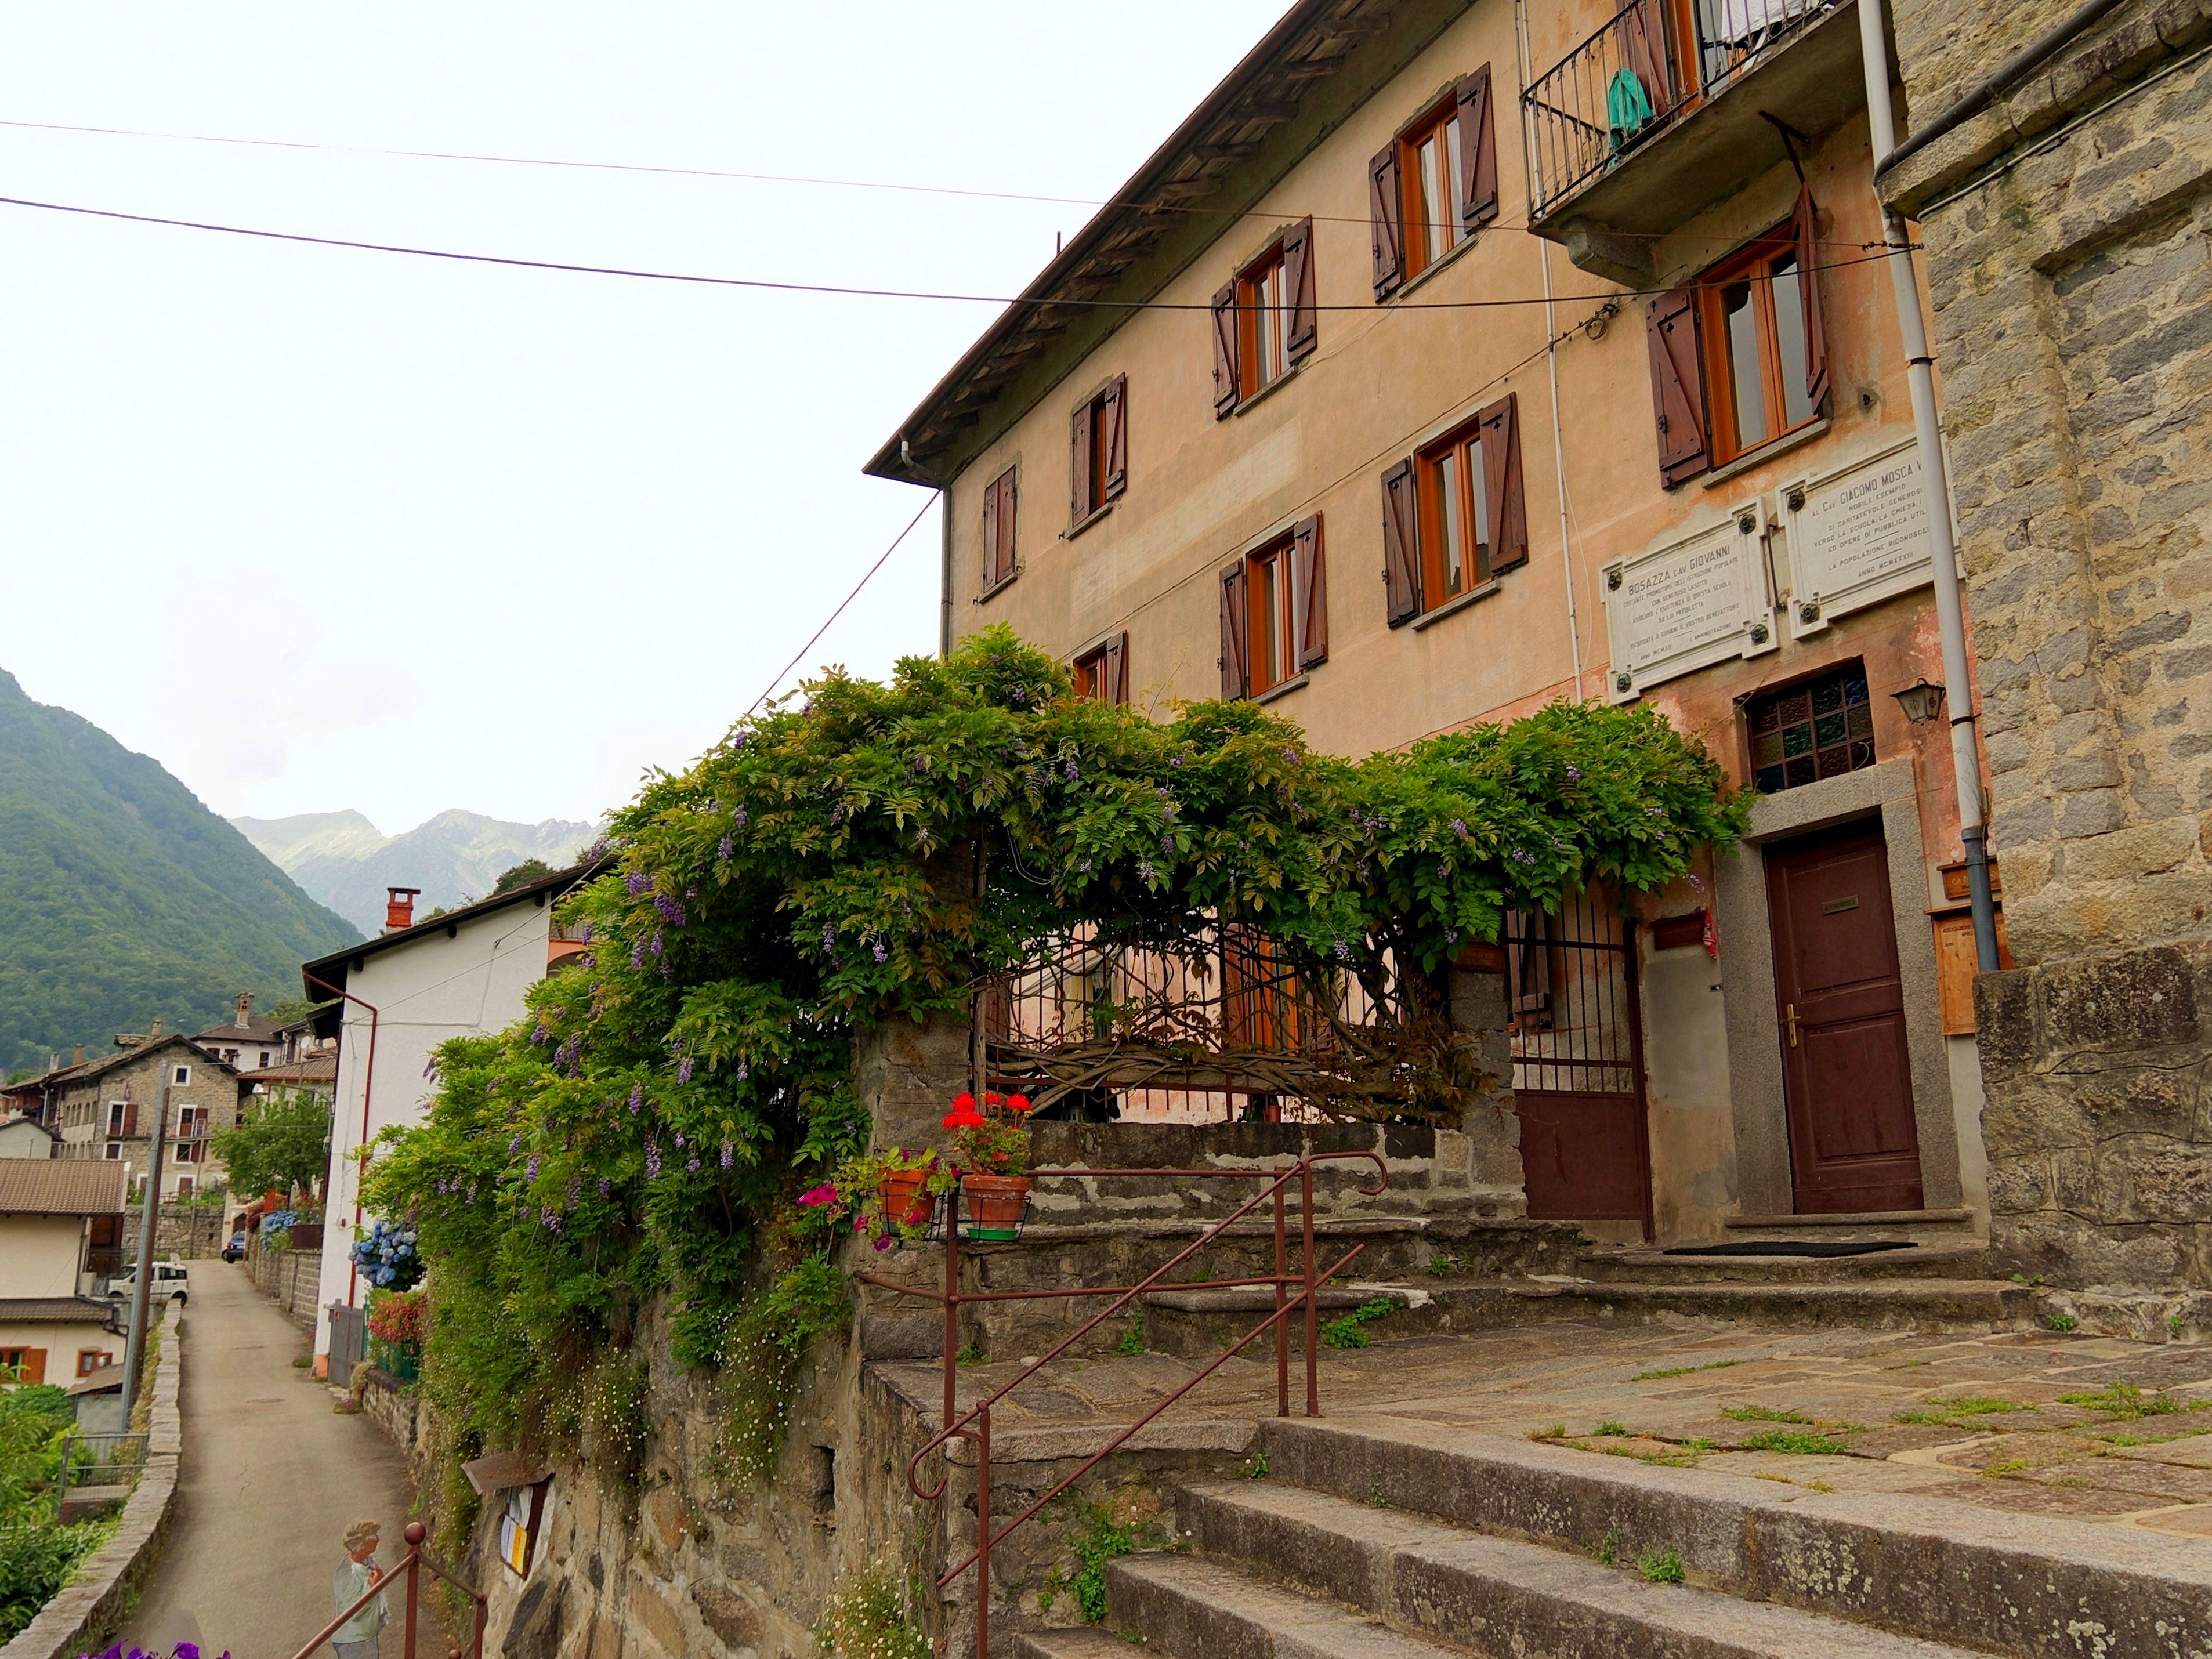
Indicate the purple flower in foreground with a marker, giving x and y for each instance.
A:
(726, 848)
(1574, 771)
(605, 1186)
(651, 1158)
(881, 954)
(1459, 828)
(515, 1146)
(636, 1097)
(1068, 771)
(636, 883)
(637, 954)
(684, 1069)
(692, 1164)
(530, 1170)
(729, 1154)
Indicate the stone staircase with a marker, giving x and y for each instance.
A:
(1384, 1538)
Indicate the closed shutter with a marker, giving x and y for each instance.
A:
(1508, 530)
(1079, 496)
(131, 1122)
(1114, 411)
(1678, 385)
(1009, 522)
(1114, 671)
(1401, 543)
(1228, 377)
(1529, 964)
(1234, 681)
(1643, 44)
(1298, 287)
(1809, 298)
(1478, 147)
(1309, 592)
(991, 534)
(1386, 207)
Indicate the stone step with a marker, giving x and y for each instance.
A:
(1928, 1225)
(1501, 1596)
(1075, 1642)
(2024, 1584)
(1959, 1258)
(1194, 1608)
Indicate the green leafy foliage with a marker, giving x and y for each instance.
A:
(649, 1126)
(36, 1556)
(865, 1618)
(283, 1142)
(1350, 1331)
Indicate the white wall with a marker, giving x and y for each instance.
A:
(20, 1138)
(39, 1255)
(425, 991)
(60, 1344)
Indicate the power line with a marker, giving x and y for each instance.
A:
(763, 283)
(866, 578)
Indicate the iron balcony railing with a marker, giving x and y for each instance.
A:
(97, 1467)
(1636, 75)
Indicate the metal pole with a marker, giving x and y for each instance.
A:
(1935, 487)
(134, 1347)
(952, 1304)
(1282, 1325)
(414, 1533)
(1313, 1290)
(983, 1536)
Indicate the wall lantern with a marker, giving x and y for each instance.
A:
(1920, 701)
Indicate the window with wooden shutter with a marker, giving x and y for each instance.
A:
(998, 530)
(1764, 344)
(1100, 444)
(1401, 543)
(1298, 290)
(1478, 140)
(1235, 682)
(1528, 968)
(1472, 515)
(1309, 586)
(1500, 426)
(1101, 673)
(1228, 373)
(1265, 321)
(1678, 385)
(1082, 497)
(1386, 207)
(1114, 448)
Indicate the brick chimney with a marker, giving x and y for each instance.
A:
(399, 908)
(78, 1059)
(245, 1002)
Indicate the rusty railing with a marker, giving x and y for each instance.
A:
(974, 1426)
(410, 1564)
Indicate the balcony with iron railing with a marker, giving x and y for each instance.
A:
(1671, 106)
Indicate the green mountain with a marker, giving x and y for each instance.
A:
(124, 899)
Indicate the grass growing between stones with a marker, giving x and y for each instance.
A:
(1350, 1331)
(2125, 1401)
(865, 1618)
(1948, 1412)
(1684, 1370)
(1763, 1414)
(1798, 1443)
(1660, 1567)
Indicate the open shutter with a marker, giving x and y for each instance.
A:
(1809, 297)
(1298, 287)
(131, 1122)
(1678, 385)
(1114, 671)
(1644, 45)
(1401, 543)
(1309, 592)
(991, 534)
(1529, 965)
(1114, 410)
(1478, 149)
(1508, 529)
(1078, 478)
(1386, 206)
(1234, 681)
(1228, 378)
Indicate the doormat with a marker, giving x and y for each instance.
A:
(1826, 1247)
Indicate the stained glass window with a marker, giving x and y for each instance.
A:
(1821, 729)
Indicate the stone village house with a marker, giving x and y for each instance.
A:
(106, 1110)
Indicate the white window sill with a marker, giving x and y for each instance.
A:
(1767, 451)
(1295, 683)
(1456, 603)
(1086, 521)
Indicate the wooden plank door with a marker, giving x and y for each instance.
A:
(1847, 1072)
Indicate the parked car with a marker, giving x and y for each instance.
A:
(236, 1248)
(169, 1281)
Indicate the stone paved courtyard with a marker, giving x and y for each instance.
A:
(2088, 1428)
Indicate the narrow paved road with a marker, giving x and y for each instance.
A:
(271, 1476)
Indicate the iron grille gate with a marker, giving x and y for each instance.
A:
(1576, 1035)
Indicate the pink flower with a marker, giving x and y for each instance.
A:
(824, 1193)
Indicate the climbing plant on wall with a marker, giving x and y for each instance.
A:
(644, 1129)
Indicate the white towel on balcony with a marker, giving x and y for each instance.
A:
(1742, 21)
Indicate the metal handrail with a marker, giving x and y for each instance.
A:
(119, 1441)
(974, 1426)
(415, 1558)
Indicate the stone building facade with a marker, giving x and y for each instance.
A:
(2065, 229)
(107, 1110)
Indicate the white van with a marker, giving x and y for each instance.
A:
(170, 1279)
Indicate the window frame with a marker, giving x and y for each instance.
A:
(1463, 446)
(1001, 531)
(1440, 122)
(1250, 310)
(1093, 486)
(1843, 671)
(1273, 563)
(1103, 668)
(1754, 264)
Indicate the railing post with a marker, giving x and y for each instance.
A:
(476, 1648)
(1282, 1325)
(414, 1533)
(983, 1535)
(1313, 1290)
(951, 1302)
(61, 1477)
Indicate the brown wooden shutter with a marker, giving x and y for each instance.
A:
(1114, 671)
(991, 534)
(1228, 374)
(1644, 45)
(1809, 297)
(131, 1121)
(1009, 521)
(1508, 529)
(1478, 149)
(1386, 206)
(1401, 543)
(1236, 682)
(1114, 410)
(1309, 592)
(1298, 285)
(1678, 385)
(1078, 481)
(1528, 962)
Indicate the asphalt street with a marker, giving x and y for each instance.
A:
(271, 1478)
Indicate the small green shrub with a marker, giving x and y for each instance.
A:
(2122, 1401)
(1660, 1567)
(1684, 1370)
(1762, 1414)
(1255, 1466)
(1102, 1539)
(1797, 1443)
(1608, 1548)
(1132, 1340)
(1351, 1330)
(1612, 1427)
(2061, 1321)
(865, 1618)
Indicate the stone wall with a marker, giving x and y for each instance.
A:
(290, 1278)
(189, 1232)
(2066, 232)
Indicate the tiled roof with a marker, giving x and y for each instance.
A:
(52, 1310)
(59, 1185)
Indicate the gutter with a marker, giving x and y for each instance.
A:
(2000, 81)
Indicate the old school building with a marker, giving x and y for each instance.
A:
(1458, 355)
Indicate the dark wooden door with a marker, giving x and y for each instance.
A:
(1847, 1071)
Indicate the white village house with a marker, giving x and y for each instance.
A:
(405, 992)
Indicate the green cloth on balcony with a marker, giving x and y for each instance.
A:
(1627, 108)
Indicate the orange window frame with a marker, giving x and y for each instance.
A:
(1270, 618)
(1090, 674)
(1266, 313)
(1755, 265)
(1452, 481)
(1441, 125)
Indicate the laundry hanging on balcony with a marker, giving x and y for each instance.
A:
(1627, 109)
(1746, 25)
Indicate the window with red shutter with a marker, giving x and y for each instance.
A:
(1386, 207)
(1758, 339)
(1265, 321)
(1456, 515)
(1309, 574)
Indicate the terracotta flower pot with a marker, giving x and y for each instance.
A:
(997, 1205)
(903, 1200)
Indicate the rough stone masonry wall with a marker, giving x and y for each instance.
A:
(2067, 258)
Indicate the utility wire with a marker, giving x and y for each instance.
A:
(866, 578)
(761, 282)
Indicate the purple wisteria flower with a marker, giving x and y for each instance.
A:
(1459, 828)
(637, 954)
(679, 1137)
(692, 1164)
(828, 937)
(530, 1170)
(656, 941)
(515, 1146)
(1574, 771)
(541, 1035)
(881, 954)
(605, 1186)
(729, 1154)
(684, 1069)
(636, 1097)
(1343, 951)
(1068, 771)
(636, 883)
(739, 820)
(651, 1158)
(725, 848)
(741, 1073)
(671, 911)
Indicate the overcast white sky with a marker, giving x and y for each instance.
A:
(320, 528)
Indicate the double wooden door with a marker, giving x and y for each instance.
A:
(1847, 1070)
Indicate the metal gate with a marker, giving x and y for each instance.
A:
(1577, 1034)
